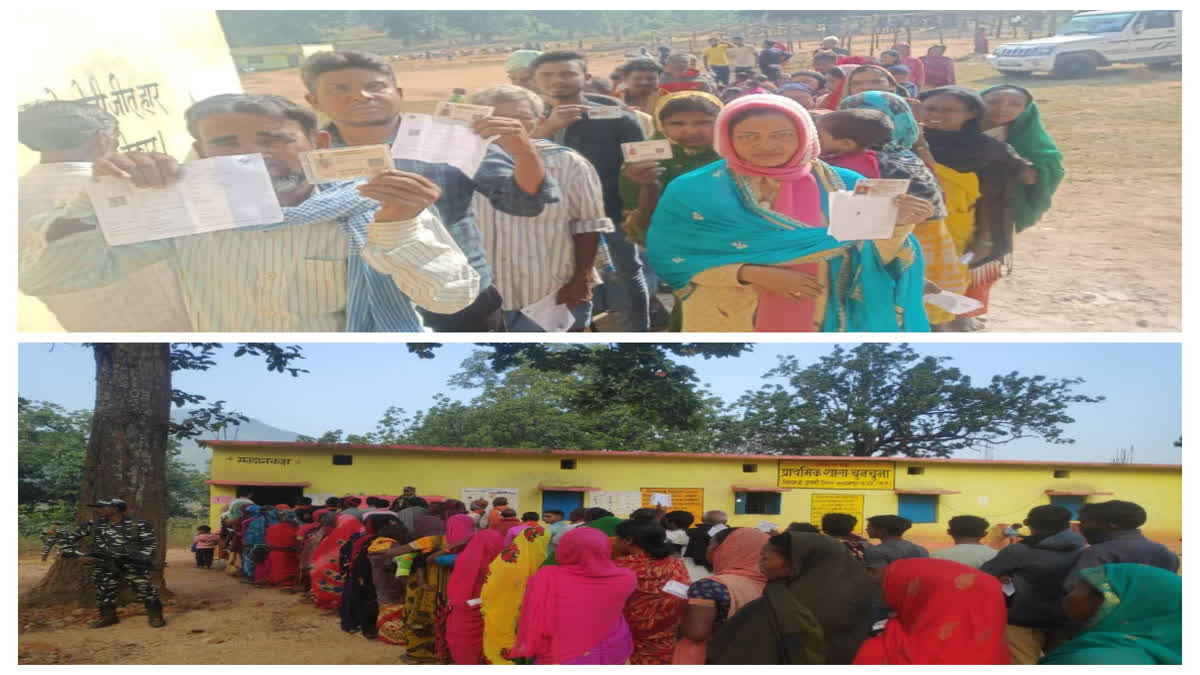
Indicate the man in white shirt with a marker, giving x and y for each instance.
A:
(742, 57)
(337, 262)
(968, 533)
(553, 252)
(71, 136)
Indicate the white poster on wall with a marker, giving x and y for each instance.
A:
(471, 494)
(621, 504)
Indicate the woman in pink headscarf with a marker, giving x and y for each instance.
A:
(745, 241)
(573, 612)
(464, 621)
(916, 67)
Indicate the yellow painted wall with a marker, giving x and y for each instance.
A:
(104, 53)
(999, 493)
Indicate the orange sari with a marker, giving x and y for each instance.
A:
(652, 614)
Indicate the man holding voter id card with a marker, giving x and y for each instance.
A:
(256, 245)
(464, 155)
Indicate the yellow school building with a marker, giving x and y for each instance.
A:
(752, 489)
(275, 57)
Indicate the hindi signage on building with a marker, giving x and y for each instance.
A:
(836, 503)
(682, 499)
(823, 475)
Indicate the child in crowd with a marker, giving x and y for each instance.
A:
(902, 73)
(800, 93)
(847, 137)
(203, 545)
(815, 80)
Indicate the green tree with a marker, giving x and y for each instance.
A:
(886, 400)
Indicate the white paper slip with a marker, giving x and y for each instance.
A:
(551, 316)
(440, 141)
(857, 217)
(646, 151)
(462, 112)
(1008, 587)
(967, 258)
(882, 187)
(676, 588)
(341, 164)
(879, 625)
(605, 112)
(475, 602)
(219, 193)
(660, 499)
(953, 302)
(764, 526)
(712, 531)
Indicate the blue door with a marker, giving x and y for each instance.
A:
(563, 501)
(1071, 503)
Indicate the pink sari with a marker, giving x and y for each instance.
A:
(326, 575)
(584, 584)
(799, 198)
(464, 624)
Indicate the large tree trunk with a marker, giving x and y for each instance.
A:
(126, 458)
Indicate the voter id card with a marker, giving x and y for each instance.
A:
(605, 112)
(462, 112)
(881, 187)
(646, 151)
(339, 164)
(676, 588)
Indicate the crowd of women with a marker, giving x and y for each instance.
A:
(736, 222)
(453, 585)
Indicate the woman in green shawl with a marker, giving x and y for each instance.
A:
(605, 523)
(1011, 115)
(807, 579)
(1132, 615)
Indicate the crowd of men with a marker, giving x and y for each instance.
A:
(421, 247)
(415, 572)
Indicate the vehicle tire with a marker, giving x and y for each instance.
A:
(1074, 65)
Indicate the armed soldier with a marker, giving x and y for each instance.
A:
(121, 547)
(50, 538)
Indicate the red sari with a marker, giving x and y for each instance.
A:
(464, 622)
(326, 572)
(652, 614)
(946, 614)
(284, 559)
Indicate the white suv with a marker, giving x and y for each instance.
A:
(1089, 40)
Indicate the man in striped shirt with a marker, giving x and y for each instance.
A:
(358, 91)
(338, 261)
(554, 252)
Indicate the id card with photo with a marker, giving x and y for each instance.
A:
(340, 164)
(881, 187)
(646, 151)
(605, 112)
(462, 112)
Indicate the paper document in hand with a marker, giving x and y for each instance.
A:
(426, 138)
(1008, 588)
(605, 112)
(646, 151)
(551, 316)
(857, 217)
(339, 164)
(764, 526)
(210, 195)
(676, 588)
(660, 499)
(881, 187)
(953, 302)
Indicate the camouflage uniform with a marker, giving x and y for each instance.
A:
(132, 541)
(50, 539)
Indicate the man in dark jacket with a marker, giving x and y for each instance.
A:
(1111, 529)
(1035, 567)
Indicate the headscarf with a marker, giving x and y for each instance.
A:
(896, 158)
(427, 526)
(836, 588)
(968, 149)
(1140, 622)
(1029, 138)
(946, 614)
(896, 88)
(237, 507)
(308, 527)
(835, 97)
(471, 567)
(522, 58)
(798, 86)
(735, 566)
(459, 530)
(505, 587)
(799, 196)
(607, 525)
(664, 100)
(585, 583)
(326, 576)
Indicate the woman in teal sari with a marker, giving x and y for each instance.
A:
(1133, 615)
(744, 241)
(1011, 115)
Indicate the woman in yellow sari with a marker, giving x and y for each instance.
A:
(504, 589)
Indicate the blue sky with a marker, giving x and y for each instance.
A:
(349, 386)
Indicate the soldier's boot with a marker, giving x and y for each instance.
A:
(154, 613)
(108, 616)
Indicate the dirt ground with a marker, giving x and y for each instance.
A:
(211, 619)
(1108, 256)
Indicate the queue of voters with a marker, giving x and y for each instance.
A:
(479, 584)
(733, 184)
